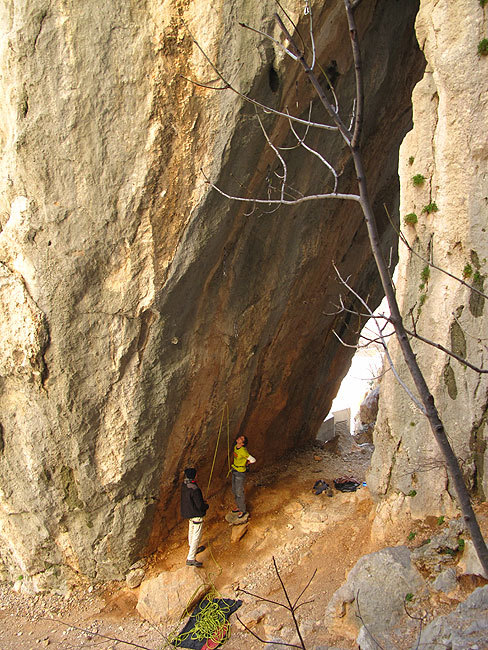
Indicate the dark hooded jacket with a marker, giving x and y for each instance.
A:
(192, 503)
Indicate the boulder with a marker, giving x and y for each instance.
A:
(374, 593)
(469, 562)
(134, 578)
(366, 417)
(465, 627)
(165, 598)
(446, 581)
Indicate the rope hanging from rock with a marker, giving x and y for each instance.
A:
(225, 411)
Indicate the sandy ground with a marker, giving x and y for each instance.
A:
(277, 498)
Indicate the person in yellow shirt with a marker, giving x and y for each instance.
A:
(241, 460)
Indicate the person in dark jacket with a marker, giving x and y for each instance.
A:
(193, 508)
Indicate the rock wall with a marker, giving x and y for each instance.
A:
(136, 301)
(448, 147)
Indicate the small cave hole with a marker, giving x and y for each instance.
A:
(274, 79)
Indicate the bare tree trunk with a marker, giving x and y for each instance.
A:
(410, 359)
(352, 138)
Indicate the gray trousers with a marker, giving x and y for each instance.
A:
(238, 480)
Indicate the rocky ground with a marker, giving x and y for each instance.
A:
(304, 532)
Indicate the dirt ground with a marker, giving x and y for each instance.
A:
(285, 523)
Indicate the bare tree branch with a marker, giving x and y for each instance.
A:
(273, 40)
(334, 114)
(92, 633)
(450, 353)
(356, 52)
(310, 197)
(414, 399)
(304, 590)
(292, 609)
(229, 86)
(322, 159)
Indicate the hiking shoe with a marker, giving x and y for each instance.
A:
(235, 510)
(194, 563)
(241, 515)
(200, 549)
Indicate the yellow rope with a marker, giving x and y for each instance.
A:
(210, 621)
(225, 410)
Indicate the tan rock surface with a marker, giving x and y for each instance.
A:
(136, 301)
(449, 147)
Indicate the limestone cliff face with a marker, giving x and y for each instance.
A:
(135, 301)
(449, 147)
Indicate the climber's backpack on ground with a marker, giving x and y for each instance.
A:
(346, 484)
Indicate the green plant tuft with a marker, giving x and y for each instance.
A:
(430, 207)
(418, 179)
(412, 424)
(410, 219)
(425, 274)
(409, 597)
(461, 544)
(483, 2)
(477, 277)
(411, 535)
(467, 271)
(440, 521)
(411, 160)
(483, 47)
(422, 299)
(412, 493)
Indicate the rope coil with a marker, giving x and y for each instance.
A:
(211, 622)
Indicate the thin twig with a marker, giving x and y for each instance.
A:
(92, 633)
(403, 239)
(359, 615)
(266, 600)
(414, 399)
(270, 38)
(322, 159)
(415, 618)
(304, 589)
(292, 610)
(288, 645)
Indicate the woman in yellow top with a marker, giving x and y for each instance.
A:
(241, 459)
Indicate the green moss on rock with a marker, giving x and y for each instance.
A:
(450, 381)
